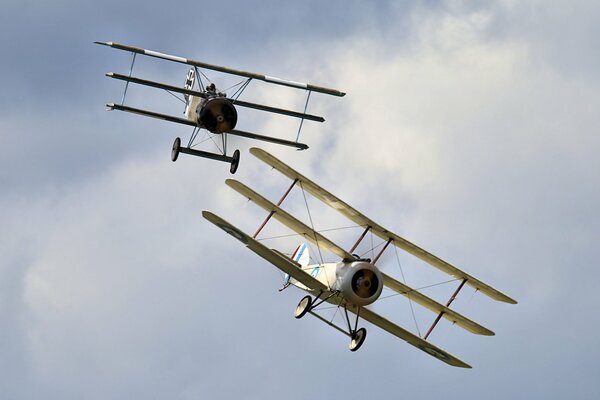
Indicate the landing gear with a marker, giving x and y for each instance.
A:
(357, 339)
(308, 304)
(175, 149)
(235, 161)
(303, 307)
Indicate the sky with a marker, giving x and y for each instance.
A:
(470, 128)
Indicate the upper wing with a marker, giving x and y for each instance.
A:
(246, 74)
(405, 335)
(377, 229)
(288, 220)
(283, 263)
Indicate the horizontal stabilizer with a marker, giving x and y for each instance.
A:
(288, 220)
(283, 263)
(377, 229)
(226, 70)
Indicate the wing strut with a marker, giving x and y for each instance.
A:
(302, 120)
(127, 83)
(437, 319)
(382, 250)
(273, 212)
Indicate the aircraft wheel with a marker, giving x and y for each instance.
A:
(357, 339)
(303, 307)
(175, 150)
(235, 162)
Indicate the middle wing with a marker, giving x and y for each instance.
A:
(190, 92)
(288, 220)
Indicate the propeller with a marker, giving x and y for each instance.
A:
(365, 283)
(218, 115)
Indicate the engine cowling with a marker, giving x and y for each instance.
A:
(359, 282)
(217, 114)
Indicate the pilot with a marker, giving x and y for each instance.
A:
(211, 89)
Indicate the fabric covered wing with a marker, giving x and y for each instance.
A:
(410, 338)
(283, 263)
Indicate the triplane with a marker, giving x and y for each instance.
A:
(352, 283)
(211, 109)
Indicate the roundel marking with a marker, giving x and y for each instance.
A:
(234, 232)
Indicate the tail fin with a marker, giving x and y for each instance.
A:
(301, 255)
(191, 102)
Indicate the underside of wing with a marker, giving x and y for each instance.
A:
(151, 114)
(183, 121)
(360, 219)
(407, 336)
(288, 220)
(270, 139)
(283, 263)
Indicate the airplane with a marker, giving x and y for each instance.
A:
(353, 283)
(211, 109)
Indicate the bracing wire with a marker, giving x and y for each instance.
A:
(312, 226)
(412, 310)
(297, 234)
(177, 97)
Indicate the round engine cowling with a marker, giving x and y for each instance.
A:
(217, 114)
(361, 283)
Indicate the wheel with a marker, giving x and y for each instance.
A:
(235, 162)
(357, 339)
(175, 150)
(303, 307)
